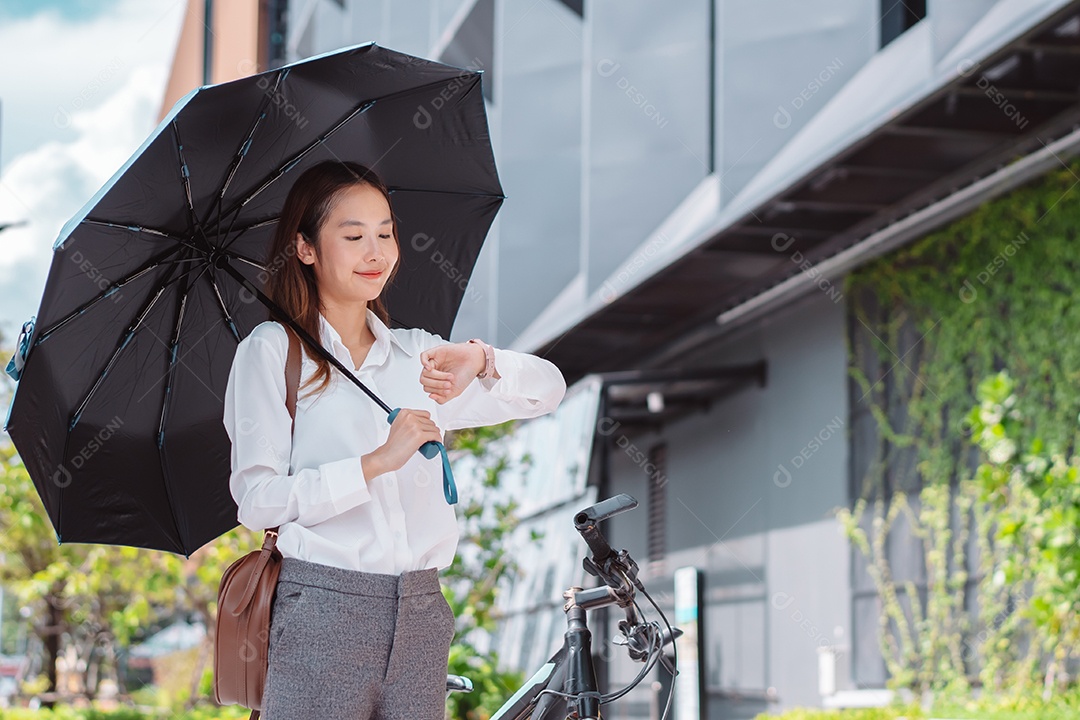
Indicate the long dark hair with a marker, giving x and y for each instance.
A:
(292, 285)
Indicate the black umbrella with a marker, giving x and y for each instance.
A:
(117, 413)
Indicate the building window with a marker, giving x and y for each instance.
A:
(899, 15)
(273, 16)
(576, 6)
(473, 45)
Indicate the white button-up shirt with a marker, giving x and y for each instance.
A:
(312, 484)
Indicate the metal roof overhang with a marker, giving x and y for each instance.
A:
(1016, 102)
(624, 395)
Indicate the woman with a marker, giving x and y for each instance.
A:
(360, 628)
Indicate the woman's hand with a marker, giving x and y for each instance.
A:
(410, 430)
(449, 368)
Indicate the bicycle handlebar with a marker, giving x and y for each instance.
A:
(587, 522)
(571, 668)
(617, 569)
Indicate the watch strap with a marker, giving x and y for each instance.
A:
(489, 355)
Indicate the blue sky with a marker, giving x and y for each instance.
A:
(71, 9)
(82, 88)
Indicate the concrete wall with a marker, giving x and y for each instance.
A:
(602, 123)
(750, 490)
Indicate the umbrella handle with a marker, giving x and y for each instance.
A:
(429, 450)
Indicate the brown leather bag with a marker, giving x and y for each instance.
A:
(246, 598)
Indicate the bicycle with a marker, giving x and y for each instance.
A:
(565, 687)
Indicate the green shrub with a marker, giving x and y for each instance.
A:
(885, 713)
(1022, 706)
(66, 712)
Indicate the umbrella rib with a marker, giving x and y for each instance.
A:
(284, 318)
(132, 328)
(253, 226)
(241, 231)
(472, 87)
(289, 164)
(241, 153)
(154, 262)
(169, 376)
(142, 229)
(242, 258)
(498, 196)
(224, 310)
(185, 173)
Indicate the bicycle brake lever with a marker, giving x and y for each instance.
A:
(616, 571)
(632, 646)
(635, 640)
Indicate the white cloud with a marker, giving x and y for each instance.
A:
(93, 108)
(54, 65)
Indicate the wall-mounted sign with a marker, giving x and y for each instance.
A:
(689, 685)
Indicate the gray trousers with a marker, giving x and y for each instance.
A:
(355, 645)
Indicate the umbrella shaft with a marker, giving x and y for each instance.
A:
(283, 316)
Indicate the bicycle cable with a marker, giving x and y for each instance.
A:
(650, 661)
(656, 647)
(674, 651)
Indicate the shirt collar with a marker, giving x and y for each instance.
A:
(384, 337)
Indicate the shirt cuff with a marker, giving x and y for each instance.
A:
(345, 483)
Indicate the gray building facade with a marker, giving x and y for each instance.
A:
(631, 138)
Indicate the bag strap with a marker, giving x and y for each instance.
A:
(292, 384)
(292, 373)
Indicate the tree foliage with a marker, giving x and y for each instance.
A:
(473, 580)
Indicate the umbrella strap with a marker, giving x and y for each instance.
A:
(429, 450)
(18, 358)
(284, 318)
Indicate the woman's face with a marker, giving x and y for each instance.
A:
(356, 247)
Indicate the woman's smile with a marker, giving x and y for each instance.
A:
(370, 275)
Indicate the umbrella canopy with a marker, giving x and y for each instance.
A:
(118, 411)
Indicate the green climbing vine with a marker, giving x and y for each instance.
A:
(983, 314)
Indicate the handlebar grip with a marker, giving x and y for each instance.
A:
(587, 522)
(595, 540)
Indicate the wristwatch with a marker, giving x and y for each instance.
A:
(489, 354)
